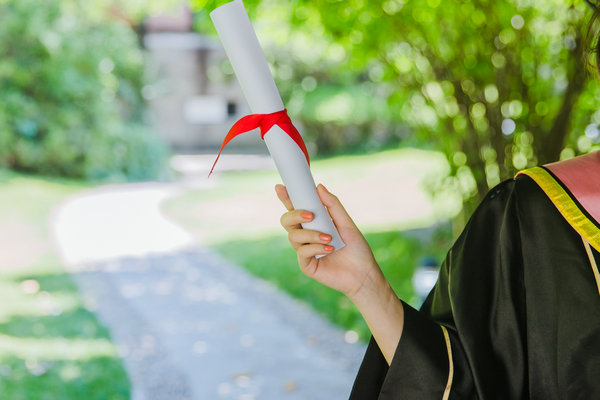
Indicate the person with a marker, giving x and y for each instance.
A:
(516, 309)
(515, 313)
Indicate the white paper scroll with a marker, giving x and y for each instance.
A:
(251, 68)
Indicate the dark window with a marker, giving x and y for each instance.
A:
(231, 108)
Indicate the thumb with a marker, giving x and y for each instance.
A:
(336, 210)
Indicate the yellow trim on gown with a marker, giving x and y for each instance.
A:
(563, 201)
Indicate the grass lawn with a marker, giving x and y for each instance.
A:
(384, 193)
(51, 346)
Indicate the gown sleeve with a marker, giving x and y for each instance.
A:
(468, 340)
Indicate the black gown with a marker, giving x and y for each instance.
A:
(515, 313)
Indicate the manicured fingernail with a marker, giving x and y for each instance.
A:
(328, 248)
(306, 215)
(324, 188)
(325, 238)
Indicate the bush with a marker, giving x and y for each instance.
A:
(71, 102)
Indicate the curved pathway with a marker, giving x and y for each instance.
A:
(188, 324)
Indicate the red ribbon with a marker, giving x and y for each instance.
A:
(265, 122)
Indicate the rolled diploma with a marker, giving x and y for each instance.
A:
(251, 68)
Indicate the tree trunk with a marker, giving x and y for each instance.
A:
(550, 147)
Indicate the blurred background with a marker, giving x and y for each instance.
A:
(126, 273)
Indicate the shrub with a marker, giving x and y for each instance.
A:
(71, 102)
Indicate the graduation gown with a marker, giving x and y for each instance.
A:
(515, 313)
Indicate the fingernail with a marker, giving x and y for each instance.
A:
(306, 215)
(324, 188)
(325, 238)
(328, 248)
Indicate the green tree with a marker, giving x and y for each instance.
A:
(71, 102)
(497, 85)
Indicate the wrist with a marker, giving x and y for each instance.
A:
(383, 312)
(374, 290)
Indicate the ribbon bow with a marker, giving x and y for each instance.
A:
(265, 122)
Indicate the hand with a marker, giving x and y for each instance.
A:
(351, 270)
(348, 270)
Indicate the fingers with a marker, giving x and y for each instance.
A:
(334, 206)
(292, 219)
(336, 210)
(308, 251)
(283, 196)
(299, 237)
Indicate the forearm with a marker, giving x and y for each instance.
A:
(383, 312)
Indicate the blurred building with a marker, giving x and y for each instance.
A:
(192, 112)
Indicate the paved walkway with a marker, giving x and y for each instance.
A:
(189, 324)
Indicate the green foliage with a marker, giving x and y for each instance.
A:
(497, 85)
(71, 103)
(494, 84)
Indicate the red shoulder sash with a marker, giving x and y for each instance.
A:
(581, 175)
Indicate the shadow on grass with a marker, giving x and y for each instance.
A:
(59, 379)
(72, 324)
(398, 254)
(49, 307)
(51, 346)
